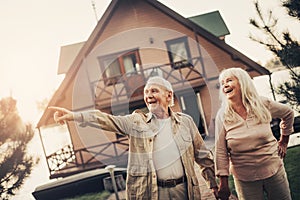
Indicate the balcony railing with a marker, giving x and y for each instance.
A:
(119, 91)
(68, 161)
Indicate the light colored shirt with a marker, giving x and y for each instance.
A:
(140, 128)
(166, 155)
(249, 149)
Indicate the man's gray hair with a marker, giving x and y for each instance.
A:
(157, 80)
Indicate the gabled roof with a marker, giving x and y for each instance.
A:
(89, 45)
(212, 22)
(67, 56)
(209, 36)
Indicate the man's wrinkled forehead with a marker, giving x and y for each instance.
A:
(158, 81)
(151, 86)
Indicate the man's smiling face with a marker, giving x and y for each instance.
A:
(156, 98)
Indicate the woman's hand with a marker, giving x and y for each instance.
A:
(61, 115)
(282, 145)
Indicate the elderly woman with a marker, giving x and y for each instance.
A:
(245, 145)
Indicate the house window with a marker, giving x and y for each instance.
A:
(179, 52)
(117, 65)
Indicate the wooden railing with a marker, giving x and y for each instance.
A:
(178, 74)
(68, 161)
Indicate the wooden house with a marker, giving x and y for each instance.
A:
(133, 41)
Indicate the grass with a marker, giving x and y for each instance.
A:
(292, 167)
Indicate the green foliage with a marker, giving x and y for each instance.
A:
(10, 121)
(288, 52)
(283, 46)
(15, 164)
(291, 90)
(292, 7)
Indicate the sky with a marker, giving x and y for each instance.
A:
(33, 31)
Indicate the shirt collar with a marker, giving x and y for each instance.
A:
(171, 113)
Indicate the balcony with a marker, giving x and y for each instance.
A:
(129, 87)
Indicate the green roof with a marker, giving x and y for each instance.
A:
(212, 22)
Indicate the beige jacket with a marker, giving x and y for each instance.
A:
(141, 130)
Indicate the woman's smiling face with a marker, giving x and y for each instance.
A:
(231, 87)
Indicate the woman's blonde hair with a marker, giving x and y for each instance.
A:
(250, 98)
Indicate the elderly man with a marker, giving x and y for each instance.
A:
(163, 146)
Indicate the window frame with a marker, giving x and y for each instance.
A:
(186, 62)
(119, 57)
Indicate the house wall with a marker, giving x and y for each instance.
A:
(141, 22)
(132, 26)
(137, 25)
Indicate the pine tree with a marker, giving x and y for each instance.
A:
(15, 164)
(284, 47)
